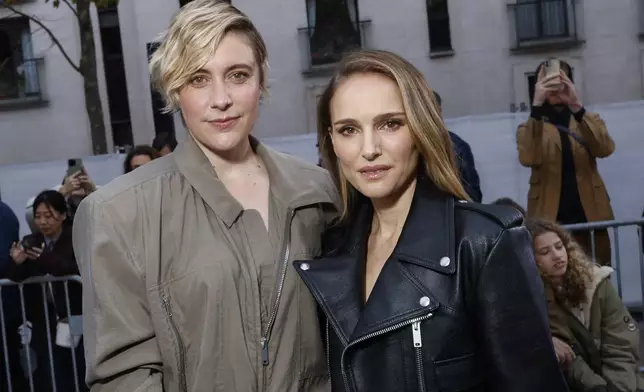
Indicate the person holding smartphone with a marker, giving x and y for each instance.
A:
(561, 143)
(76, 185)
(50, 252)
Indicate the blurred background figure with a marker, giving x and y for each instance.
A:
(164, 143)
(139, 156)
(50, 252)
(464, 162)
(595, 337)
(506, 201)
(561, 142)
(76, 185)
(10, 302)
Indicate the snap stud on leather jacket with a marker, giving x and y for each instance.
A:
(458, 306)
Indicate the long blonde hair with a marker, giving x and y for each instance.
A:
(578, 276)
(423, 116)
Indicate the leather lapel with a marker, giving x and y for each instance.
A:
(337, 281)
(427, 240)
(396, 297)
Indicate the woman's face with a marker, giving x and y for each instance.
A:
(221, 102)
(48, 220)
(139, 160)
(551, 255)
(370, 136)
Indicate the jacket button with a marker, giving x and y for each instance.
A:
(445, 261)
(305, 266)
(424, 302)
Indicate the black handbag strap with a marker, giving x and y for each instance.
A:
(577, 138)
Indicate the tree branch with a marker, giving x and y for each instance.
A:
(49, 32)
(71, 7)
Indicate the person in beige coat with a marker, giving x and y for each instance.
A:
(187, 261)
(561, 143)
(595, 337)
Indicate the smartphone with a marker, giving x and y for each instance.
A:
(30, 241)
(553, 66)
(74, 165)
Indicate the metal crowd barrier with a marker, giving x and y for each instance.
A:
(27, 364)
(634, 252)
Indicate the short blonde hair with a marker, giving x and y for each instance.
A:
(423, 115)
(194, 34)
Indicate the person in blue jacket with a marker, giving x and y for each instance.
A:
(465, 162)
(10, 233)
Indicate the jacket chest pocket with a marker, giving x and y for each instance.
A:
(456, 374)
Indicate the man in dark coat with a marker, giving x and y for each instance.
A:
(465, 162)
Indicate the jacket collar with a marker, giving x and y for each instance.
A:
(427, 241)
(598, 274)
(555, 135)
(290, 182)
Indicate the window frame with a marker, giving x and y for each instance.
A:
(434, 17)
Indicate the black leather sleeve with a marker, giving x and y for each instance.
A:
(512, 320)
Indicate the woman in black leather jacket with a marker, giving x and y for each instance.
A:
(422, 291)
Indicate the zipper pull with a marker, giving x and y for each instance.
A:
(418, 339)
(265, 351)
(166, 305)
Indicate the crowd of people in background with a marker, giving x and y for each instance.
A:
(48, 251)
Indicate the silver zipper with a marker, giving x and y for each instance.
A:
(418, 347)
(183, 386)
(328, 355)
(271, 321)
(345, 377)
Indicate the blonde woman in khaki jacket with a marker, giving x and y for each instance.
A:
(596, 339)
(187, 260)
(561, 142)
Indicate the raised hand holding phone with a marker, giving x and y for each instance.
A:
(546, 84)
(568, 94)
(71, 183)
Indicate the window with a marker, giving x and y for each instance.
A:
(184, 2)
(18, 67)
(333, 29)
(539, 19)
(440, 36)
(116, 82)
(163, 122)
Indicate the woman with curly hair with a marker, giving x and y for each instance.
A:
(595, 338)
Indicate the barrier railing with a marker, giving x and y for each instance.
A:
(617, 247)
(63, 340)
